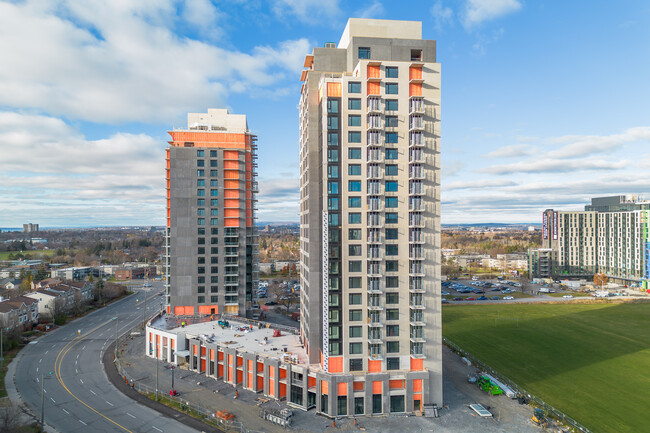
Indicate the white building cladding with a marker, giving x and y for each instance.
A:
(370, 227)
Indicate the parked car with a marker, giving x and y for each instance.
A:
(270, 303)
(458, 298)
(568, 296)
(444, 292)
(494, 298)
(507, 298)
(471, 298)
(444, 301)
(482, 298)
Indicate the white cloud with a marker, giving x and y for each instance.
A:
(442, 15)
(308, 10)
(477, 184)
(510, 151)
(480, 11)
(552, 165)
(581, 145)
(119, 61)
(374, 10)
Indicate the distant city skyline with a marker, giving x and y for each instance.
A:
(545, 104)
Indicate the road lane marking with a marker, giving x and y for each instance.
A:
(37, 372)
(132, 416)
(156, 428)
(109, 402)
(92, 391)
(53, 401)
(47, 351)
(82, 382)
(82, 422)
(39, 361)
(65, 411)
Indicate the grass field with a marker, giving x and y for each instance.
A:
(591, 361)
(34, 254)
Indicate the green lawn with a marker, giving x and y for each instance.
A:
(591, 361)
(35, 254)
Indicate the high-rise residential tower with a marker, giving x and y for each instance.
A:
(211, 243)
(370, 213)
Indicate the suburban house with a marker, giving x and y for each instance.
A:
(10, 283)
(19, 311)
(61, 295)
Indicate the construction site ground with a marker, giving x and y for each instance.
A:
(455, 416)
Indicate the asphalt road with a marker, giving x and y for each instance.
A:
(77, 394)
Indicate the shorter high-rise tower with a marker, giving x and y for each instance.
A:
(211, 244)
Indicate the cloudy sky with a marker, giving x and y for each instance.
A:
(545, 103)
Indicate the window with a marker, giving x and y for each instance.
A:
(391, 105)
(355, 299)
(214, 299)
(333, 219)
(214, 182)
(200, 211)
(213, 154)
(354, 104)
(333, 187)
(200, 202)
(200, 270)
(392, 298)
(391, 72)
(354, 137)
(200, 153)
(201, 250)
(214, 193)
(200, 172)
(392, 282)
(214, 221)
(354, 218)
(355, 315)
(392, 314)
(201, 260)
(333, 203)
(334, 235)
(391, 169)
(201, 231)
(377, 403)
(201, 289)
(391, 122)
(334, 332)
(214, 202)
(354, 87)
(354, 250)
(391, 218)
(200, 221)
(213, 163)
(214, 260)
(354, 282)
(391, 153)
(201, 300)
(356, 331)
(200, 192)
(391, 137)
(391, 250)
(214, 173)
(333, 171)
(354, 234)
(356, 365)
(354, 202)
(356, 348)
(354, 120)
(335, 348)
(332, 105)
(392, 347)
(396, 401)
(214, 250)
(200, 182)
(359, 406)
(200, 163)
(354, 169)
(214, 212)
(391, 233)
(332, 155)
(416, 55)
(391, 186)
(392, 330)
(391, 88)
(334, 300)
(364, 52)
(391, 202)
(332, 138)
(332, 122)
(354, 153)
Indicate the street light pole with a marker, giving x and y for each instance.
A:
(42, 403)
(144, 310)
(156, 372)
(116, 322)
(172, 378)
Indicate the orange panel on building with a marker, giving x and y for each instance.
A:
(211, 354)
(283, 390)
(373, 71)
(342, 388)
(396, 384)
(334, 89)
(231, 193)
(231, 203)
(231, 165)
(415, 73)
(358, 386)
(335, 364)
(415, 89)
(202, 365)
(231, 174)
(260, 382)
(231, 154)
(377, 386)
(374, 88)
(417, 385)
(208, 139)
(324, 388)
(231, 213)
(230, 368)
(311, 381)
(417, 364)
(231, 184)
(374, 366)
(207, 309)
(196, 350)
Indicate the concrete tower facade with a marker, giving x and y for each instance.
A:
(370, 214)
(211, 248)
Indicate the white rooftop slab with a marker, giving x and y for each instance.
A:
(372, 28)
(218, 118)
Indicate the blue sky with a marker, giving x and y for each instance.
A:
(545, 104)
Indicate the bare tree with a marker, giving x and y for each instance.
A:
(10, 419)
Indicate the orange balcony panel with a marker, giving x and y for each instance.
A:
(184, 311)
(172, 342)
(230, 174)
(358, 386)
(231, 222)
(219, 370)
(374, 88)
(373, 71)
(220, 355)
(283, 372)
(374, 366)
(207, 309)
(342, 388)
(415, 73)
(335, 364)
(231, 203)
(396, 384)
(249, 222)
(311, 381)
(417, 385)
(417, 364)
(240, 374)
(271, 372)
(231, 154)
(249, 365)
(324, 388)
(202, 351)
(231, 165)
(202, 365)
(231, 184)
(251, 380)
(334, 90)
(260, 367)
(260, 382)
(196, 350)
(231, 213)
(249, 213)
(211, 354)
(415, 89)
(231, 193)
(377, 386)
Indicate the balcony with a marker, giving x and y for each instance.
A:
(375, 156)
(416, 188)
(416, 172)
(375, 307)
(374, 188)
(416, 252)
(375, 338)
(416, 221)
(416, 123)
(373, 121)
(416, 138)
(374, 172)
(416, 155)
(416, 105)
(374, 104)
(416, 204)
(374, 138)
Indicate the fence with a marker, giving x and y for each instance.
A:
(547, 408)
(179, 403)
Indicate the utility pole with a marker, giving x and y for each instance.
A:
(144, 310)
(42, 402)
(116, 322)
(172, 378)
(156, 372)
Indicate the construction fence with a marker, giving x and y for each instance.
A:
(547, 408)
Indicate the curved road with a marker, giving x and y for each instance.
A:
(78, 396)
